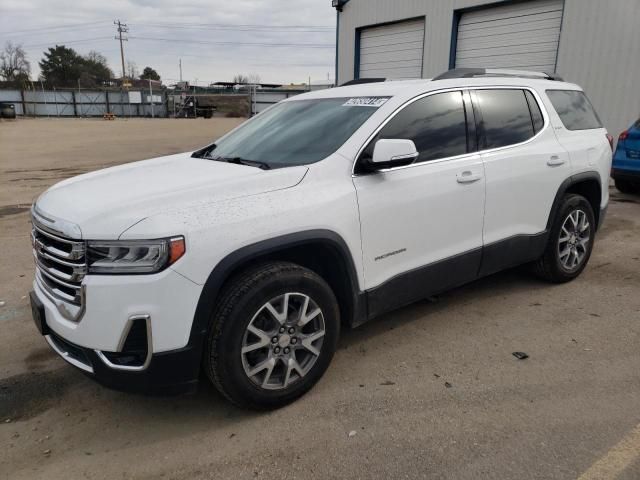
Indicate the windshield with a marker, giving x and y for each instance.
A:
(297, 132)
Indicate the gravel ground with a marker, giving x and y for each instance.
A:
(430, 391)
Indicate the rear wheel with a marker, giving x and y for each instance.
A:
(626, 186)
(273, 335)
(570, 241)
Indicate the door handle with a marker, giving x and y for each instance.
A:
(468, 177)
(555, 161)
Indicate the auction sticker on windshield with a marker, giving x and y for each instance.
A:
(365, 102)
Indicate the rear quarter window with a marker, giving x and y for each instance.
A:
(574, 109)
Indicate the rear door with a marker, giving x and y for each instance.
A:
(524, 168)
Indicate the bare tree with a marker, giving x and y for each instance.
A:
(240, 79)
(253, 79)
(132, 69)
(97, 57)
(14, 65)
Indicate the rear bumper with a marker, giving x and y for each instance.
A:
(620, 174)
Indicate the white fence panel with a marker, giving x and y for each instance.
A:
(81, 103)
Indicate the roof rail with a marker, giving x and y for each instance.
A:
(495, 72)
(358, 81)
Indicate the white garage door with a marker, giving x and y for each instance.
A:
(521, 36)
(392, 51)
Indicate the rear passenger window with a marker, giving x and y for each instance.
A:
(536, 114)
(436, 124)
(574, 109)
(506, 119)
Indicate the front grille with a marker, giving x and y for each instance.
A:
(60, 265)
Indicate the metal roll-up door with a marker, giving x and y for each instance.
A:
(523, 36)
(392, 51)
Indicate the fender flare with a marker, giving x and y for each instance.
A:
(222, 271)
(562, 190)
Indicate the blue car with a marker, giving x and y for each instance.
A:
(626, 161)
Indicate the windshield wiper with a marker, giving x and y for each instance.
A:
(244, 161)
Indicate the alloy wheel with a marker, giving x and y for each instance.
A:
(283, 341)
(573, 243)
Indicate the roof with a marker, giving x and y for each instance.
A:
(406, 89)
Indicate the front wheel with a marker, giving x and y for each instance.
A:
(273, 335)
(570, 241)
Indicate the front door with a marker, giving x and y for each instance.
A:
(422, 224)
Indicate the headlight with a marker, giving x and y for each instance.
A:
(133, 256)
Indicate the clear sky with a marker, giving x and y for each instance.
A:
(207, 34)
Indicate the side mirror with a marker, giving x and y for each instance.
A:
(389, 153)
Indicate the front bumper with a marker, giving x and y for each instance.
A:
(168, 298)
(170, 372)
(161, 356)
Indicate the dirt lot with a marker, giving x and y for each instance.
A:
(431, 391)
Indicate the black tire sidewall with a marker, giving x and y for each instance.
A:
(571, 203)
(228, 344)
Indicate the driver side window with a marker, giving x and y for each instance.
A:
(436, 124)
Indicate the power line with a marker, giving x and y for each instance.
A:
(212, 26)
(237, 26)
(81, 40)
(232, 28)
(260, 44)
(70, 26)
(244, 60)
(177, 40)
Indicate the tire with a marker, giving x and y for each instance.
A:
(556, 265)
(626, 186)
(246, 334)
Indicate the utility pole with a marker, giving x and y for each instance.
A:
(122, 28)
(180, 63)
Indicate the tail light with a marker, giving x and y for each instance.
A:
(610, 138)
(623, 136)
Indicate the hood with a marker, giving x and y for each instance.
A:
(104, 203)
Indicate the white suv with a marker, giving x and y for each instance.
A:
(245, 258)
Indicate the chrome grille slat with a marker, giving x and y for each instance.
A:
(57, 237)
(78, 267)
(54, 291)
(55, 251)
(75, 252)
(61, 265)
(60, 277)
